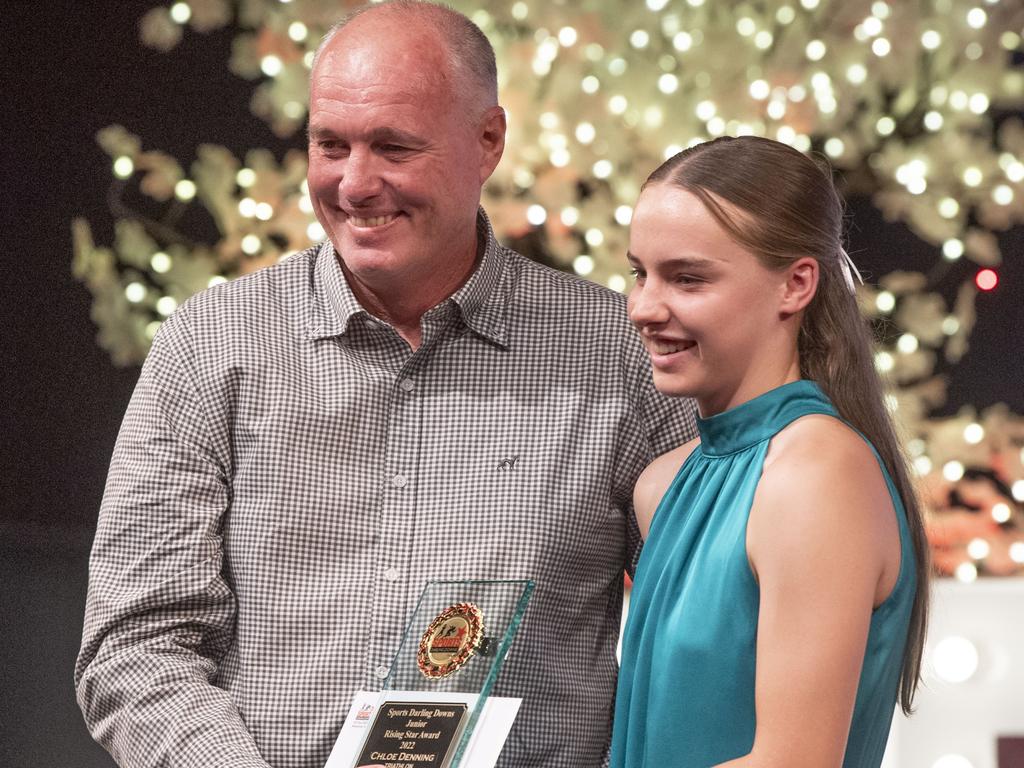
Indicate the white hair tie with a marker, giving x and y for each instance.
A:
(849, 269)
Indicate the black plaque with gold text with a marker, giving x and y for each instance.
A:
(412, 735)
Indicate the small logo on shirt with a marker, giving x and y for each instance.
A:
(507, 464)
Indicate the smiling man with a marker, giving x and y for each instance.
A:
(309, 445)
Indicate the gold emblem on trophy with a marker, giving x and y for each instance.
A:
(450, 640)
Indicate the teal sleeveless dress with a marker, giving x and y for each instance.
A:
(686, 687)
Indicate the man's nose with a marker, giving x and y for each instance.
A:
(361, 179)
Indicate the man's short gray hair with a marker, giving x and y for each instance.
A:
(468, 49)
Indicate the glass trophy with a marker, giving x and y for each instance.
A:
(449, 659)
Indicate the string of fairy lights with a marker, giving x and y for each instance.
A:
(918, 105)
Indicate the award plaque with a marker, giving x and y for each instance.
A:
(431, 705)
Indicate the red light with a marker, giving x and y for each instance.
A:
(986, 279)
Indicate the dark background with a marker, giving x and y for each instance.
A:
(68, 70)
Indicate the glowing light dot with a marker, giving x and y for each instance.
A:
(716, 126)
(618, 66)
(657, 5)
(293, 109)
(560, 157)
(776, 110)
(931, 39)
(1010, 40)
(1017, 551)
(251, 244)
(950, 325)
(590, 84)
(815, 50)
(978, 549)
(885, 125)
(674, 149)
(1015, 171)
(594, 237)
(955, 659)
(1002, 194)
(959, 100)
(953, 471)
(917, 185)
(973, 176)
(922, 465)
(583, 265)
(639, 38)
(668, 83)
(245, 177)
(706, 110)
(585, 133)
(247, 207)
(315, 232)
(603, 169)
(536, 215)
(953, 249)
(797, 93)
(617, 283)
(746, 26)
(160, 262)
(986, 279)
(567, 36)
(884, 362)
(872, 26)
(307, 59)
(933, 120)
(298, 31)
(907, 343)
(520, 11)
(180, 13)
(760, 89)
(885, 301)
(271, 65)
(264, 211)
(1001, 512)
(785, 14)
(881, 9)
(881, 47)
(305, 204)
(617, 104)
(856, 73)
(974, 433)
(123, 167)
(802, 142)
(548, 120)
(834, 147)
(978, 103)
(892, 403)
(695, 3)
(185, 190)
(624, 215)
(216, 280)
(810, 5)
(763, 40)
(1017, 490)
(569, 216)
(683, 41)
(165, 305)
(152, 327)
(976, 18)
(135, 292)
(965, 572)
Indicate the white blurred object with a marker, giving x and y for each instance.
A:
(973, 687)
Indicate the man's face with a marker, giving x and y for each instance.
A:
(395, 163)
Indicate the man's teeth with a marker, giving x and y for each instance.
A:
(663, 348)
(376, 221)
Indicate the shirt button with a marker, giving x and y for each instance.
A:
(399, 481)
(407, 385)
(391, 574)
(381, 672)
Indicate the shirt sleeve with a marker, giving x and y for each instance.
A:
(666, 423)
(159, 613)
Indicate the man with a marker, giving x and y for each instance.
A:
(308, 445)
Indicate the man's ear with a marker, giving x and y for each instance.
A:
(800, 285)
(491, 135)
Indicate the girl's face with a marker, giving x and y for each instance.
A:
(708, 310)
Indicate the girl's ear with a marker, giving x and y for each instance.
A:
(800, 285)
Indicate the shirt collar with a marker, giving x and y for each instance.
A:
(482, 300)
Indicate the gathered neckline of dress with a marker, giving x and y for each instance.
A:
(759, 419)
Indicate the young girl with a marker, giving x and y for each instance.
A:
(779, 605)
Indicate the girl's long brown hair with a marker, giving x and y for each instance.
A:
(790, 209)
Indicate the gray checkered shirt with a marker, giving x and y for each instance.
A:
(289, 474)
